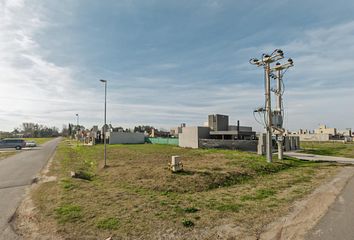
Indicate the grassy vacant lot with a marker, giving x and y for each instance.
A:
(137, 197)
(329, 148)
(39, 141)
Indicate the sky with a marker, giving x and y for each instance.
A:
(173, 62)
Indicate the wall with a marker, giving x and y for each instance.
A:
(314, 137)
(244, 145)
(168, 141)
(125, 138)
(290, 143)
(242, 128)
(190, 136)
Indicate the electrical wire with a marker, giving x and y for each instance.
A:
(258, 121)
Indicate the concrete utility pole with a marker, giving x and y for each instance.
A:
(265, 63)
(278, 107)
(268, 109)
(278, 113)
(105, 122)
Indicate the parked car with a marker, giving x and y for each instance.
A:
(18, 144)
(31, 144)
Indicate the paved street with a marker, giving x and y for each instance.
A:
(16, 174)
(338, 222)
(313, 157)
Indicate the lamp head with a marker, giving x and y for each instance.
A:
(104, 81)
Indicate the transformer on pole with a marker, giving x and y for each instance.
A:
(273, 119)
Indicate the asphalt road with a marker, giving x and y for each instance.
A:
(338, 221)
(16, 174)
(314, 157)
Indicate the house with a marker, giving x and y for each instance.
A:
(218, 133)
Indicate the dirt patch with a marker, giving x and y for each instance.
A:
(308, 212)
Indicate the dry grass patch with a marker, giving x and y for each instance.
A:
(138, 197)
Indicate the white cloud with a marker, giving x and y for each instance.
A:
(25, 74)
(320, 86)
(34, 89)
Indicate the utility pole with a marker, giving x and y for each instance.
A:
(278, 113)
(279, 109)
(265, 63)
(268, 109)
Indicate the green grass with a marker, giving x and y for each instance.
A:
(137, 196)
(329, 148)
(108, 223)
(191, 210)
(259, 195)
(39, 141)
(68, 213)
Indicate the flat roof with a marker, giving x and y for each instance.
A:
(233, 132)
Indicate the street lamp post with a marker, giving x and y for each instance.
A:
(104, 126)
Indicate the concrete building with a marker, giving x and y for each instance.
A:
(174, 132)
(114, 136)
(322, 133)
(190, 136)
(324, 130)
(218, 122)
(218, 134)
(345, 133)
(234, 133)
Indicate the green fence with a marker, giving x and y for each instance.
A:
(169, 141)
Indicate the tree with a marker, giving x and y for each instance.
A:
(143, 128)
(70, 129)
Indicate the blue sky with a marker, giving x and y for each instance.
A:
(169, 62)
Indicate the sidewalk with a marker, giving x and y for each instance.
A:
(313, 157)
